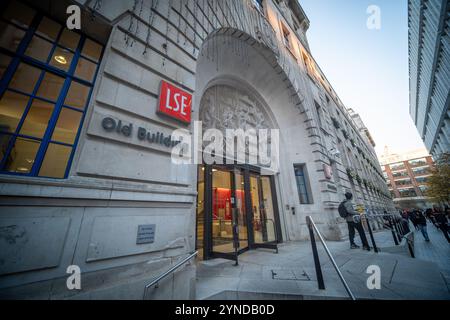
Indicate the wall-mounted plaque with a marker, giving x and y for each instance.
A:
(146, 234)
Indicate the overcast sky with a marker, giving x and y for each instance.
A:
(367, 68)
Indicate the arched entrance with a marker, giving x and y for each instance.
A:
(237, 206)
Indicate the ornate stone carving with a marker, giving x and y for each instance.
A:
(224, 107)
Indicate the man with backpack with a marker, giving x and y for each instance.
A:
(347, 212)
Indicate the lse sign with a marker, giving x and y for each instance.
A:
(175, 103)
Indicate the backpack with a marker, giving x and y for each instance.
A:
(342, 211)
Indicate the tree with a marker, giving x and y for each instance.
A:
(439, 182)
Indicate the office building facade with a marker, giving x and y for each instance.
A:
(87, 128)
(429, 72)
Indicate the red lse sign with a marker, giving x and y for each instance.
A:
(175, 102)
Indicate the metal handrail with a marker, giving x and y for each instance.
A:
(168, 272)
(347, 288)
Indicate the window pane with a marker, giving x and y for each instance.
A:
(301, 185)
(55, 161)
(25, 78)
(77, 95)
(92, 50)
(10, 36)
(48, 29)
(37, 119)
(67, 126)
(22, 156)
(50, 86)
(39, 49)
(12, 107)
(61, 59)
(85, 70)
(69, 39)
(19, 14)
(4, 143)
(4, 63)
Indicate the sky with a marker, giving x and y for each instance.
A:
(368, 69)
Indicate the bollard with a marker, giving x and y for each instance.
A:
(315, 255)
(392, 230)
(371, 234)
(397, 230)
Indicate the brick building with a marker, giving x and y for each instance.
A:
(406, 177)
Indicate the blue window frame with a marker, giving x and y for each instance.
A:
(302, 186)
(47, 76)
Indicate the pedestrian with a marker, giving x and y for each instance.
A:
(430, 216)
(347, 211)
(442, 223)
(412, 217)
(422, 223)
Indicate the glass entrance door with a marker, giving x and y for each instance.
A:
(236, 210)
(229, 219)
(263, 212)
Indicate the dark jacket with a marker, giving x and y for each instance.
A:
(440, 218)
(420, 219)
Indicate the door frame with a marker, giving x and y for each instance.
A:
(246, 171)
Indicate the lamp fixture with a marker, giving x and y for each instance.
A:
(61, 59)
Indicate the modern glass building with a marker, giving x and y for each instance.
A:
(429, 69)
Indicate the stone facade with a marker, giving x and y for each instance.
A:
(116, 183)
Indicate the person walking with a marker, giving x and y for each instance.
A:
(412, 217)
(347, 211)
(442, 223)
(422, 223)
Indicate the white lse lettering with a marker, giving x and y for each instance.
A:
(179, 103)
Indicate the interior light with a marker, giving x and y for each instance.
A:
(22, 169)
(61, 59)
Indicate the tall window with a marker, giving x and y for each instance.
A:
(286, 37)
(319, 114)
(302, 186)
(47, 75)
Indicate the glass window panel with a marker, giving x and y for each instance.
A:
(55, 161)
(4, 143)
(77, 95)
(49, 29)
(50, 86)
(10, 36)
(39, 49)
(25, 78)
(4, 63)
(69, 39)
(21, 158)
(92, 50)
(61, 59)
(37, 119)
(19, 13)
(85, 70)
(12, 107)
(67, 126)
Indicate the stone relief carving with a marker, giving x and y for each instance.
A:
(223, 107)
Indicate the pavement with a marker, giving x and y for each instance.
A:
(290, 274)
